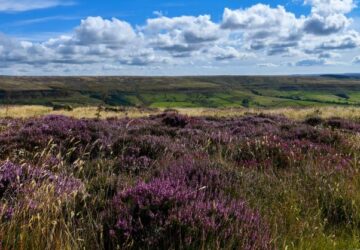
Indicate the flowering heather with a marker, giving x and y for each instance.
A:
(65, 132)
(10, 178)
(171, 181)
(18, 181)
(184, 207)
(273, 151)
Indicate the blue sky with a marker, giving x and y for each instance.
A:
(142, 37)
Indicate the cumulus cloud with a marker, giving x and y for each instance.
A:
(226, 53)
(96, 30)
(25, 5)
(279, 32)
(325, 25)
(263, 27)
(182, 35)
(347, 41)
(93, 41)
(143, 58)
(329, 7)
(259, 16)
(328, 16)
(13, 51)
(261, 21)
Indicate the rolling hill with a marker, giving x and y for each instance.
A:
(200, 91)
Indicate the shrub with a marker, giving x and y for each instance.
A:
(338, 123)
(16, 181)
(175, 120)
(64, 132)
(314, 121)
(175, 209)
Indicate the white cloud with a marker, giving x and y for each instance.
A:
(325, 25)
(143, 57)
(182, 35)
(328, 16)
(329, 7)
(259, 16)
(351, 40)
(226, 53)
(264, 28)
(25, 5)
(96, 30)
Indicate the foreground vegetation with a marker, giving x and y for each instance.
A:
(173, 181)
(185, 92)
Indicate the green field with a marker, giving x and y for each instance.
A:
(183, 92)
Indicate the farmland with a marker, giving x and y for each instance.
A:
(198, 179)
(183, 92)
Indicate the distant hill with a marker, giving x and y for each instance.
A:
(201, 91)
(342, 76)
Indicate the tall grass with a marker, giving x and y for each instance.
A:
(173, 181)
(27, 111)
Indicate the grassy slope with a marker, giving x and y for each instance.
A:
(217, 91)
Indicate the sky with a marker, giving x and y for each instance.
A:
(194, 37)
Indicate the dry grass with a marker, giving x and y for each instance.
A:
(92, 112)
(292, 113)
(83, 112)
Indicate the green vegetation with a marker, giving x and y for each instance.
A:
(182, 92)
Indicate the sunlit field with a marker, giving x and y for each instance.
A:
(18, 111)
(132, 178)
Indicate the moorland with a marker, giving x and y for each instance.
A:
(181, 163)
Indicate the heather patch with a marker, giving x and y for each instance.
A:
(171, 181)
